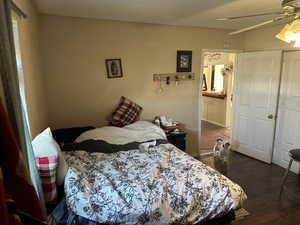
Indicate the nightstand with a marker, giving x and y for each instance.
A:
(177, 139)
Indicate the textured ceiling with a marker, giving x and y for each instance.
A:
(201, 13)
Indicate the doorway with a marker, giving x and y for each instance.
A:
(265, 106)
(217, 90)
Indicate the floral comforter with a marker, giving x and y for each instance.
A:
(156, 183)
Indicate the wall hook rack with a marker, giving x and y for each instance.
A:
(176, 77)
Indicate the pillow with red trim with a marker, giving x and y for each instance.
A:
(47, 169)
(126, 113)
(50, 163)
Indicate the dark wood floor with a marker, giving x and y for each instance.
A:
(261, 183)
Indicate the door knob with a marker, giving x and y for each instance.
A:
(270, 116)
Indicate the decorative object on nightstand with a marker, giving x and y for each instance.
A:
(166, 123)
(174, 134)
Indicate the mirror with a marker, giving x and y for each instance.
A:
(204, 84)
(213, 78)
(217, 78)
(213, 81)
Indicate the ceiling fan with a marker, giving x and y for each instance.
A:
(290, 9)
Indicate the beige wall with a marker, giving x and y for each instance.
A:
(214, 110)
(34, 83)
(265, 39)
(78, 92)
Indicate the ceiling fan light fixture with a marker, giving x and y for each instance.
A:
(297, 44)
(283, 33)
(291, 33)
(292, 37)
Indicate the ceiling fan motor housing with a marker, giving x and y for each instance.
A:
(291, 3)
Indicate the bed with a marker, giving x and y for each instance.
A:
(133, 176)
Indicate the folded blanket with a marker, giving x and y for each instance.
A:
(104, 147)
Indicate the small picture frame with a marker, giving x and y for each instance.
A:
(184, 61)
(114, 68)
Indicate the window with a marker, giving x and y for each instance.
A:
(19, 66)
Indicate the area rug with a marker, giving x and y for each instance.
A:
(241, 214)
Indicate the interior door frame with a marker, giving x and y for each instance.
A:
(200, 102)
(277, 100)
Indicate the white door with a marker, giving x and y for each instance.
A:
(255, 102)
(288, 129)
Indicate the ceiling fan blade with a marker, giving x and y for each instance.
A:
(247, 16)
(251, 27)
(260, 24)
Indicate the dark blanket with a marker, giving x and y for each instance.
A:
(105, 147)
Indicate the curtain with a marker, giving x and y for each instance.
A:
(15, 182)
(16, 112)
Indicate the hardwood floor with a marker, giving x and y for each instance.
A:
(209, 133)
(262, 183)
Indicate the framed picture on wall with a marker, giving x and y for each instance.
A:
(184, 61)
(114, 68)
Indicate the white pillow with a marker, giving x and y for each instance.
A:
(44, 145)
(62, 169)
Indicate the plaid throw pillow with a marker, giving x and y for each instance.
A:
(126, 113)
(47, 170)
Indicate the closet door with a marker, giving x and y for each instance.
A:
(255, 102)
(288, 129)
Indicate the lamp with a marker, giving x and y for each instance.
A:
(291, 33)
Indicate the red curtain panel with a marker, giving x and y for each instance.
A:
(15, 182)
